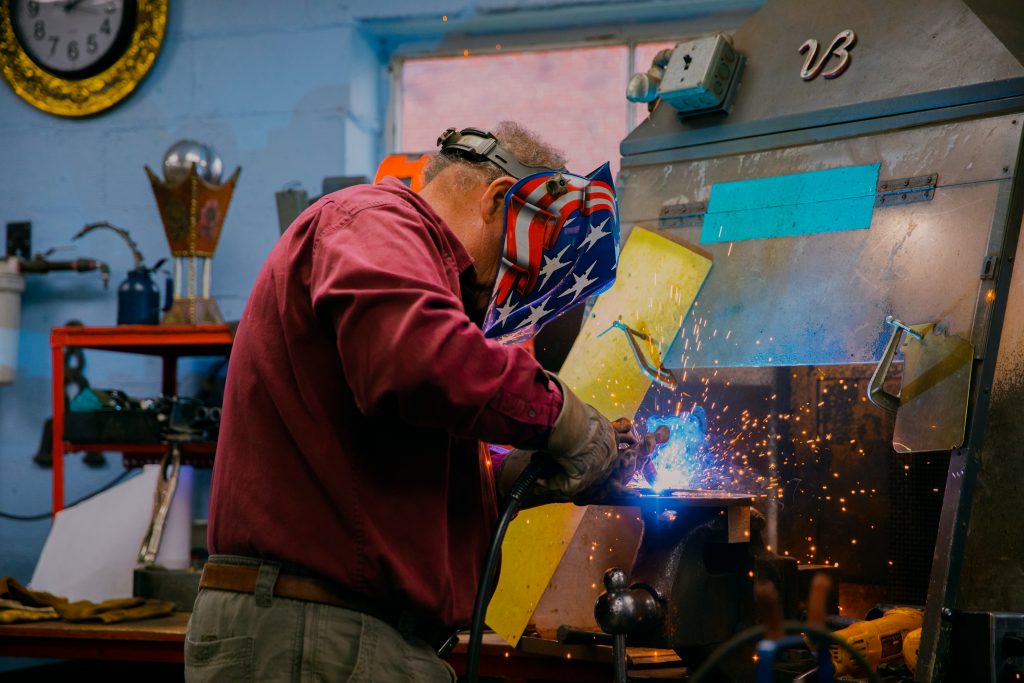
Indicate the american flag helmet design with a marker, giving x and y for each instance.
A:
(561, 247)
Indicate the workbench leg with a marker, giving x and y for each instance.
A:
(58, 428)
(169, 384)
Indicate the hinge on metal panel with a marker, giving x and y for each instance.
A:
(682, 215)
(906, 190)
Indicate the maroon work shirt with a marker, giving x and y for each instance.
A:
(357, 391)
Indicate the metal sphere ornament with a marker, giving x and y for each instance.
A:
(180, 157)
(192, 207)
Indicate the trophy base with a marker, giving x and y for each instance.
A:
(193, 311)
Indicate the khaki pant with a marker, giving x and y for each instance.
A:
(232, 638)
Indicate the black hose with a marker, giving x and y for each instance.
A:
(522, 486)
(47, 515)
(755, 633)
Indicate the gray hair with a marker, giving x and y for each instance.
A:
(526, 145)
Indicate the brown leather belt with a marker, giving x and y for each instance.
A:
(240, 578)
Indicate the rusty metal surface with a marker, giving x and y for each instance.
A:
(823, 298)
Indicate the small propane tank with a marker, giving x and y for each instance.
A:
(911, 644)
(879, 640)
(12, 284)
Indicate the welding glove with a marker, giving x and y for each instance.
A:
(594, 456)
(634, 458)
(582, 445)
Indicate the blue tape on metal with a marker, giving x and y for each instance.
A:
(798, 204)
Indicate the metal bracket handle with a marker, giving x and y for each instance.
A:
(876, 394)
(167, 483)
(656, 373)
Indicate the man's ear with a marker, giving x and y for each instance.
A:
(492, 201)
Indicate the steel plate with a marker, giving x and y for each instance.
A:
(681, 498)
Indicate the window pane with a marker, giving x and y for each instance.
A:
(574, 98)
(644, 54)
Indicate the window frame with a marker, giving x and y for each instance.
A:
(455, 45)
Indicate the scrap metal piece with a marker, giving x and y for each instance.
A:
(167, 483)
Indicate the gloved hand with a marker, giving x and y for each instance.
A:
(634, 456)
(595, 458)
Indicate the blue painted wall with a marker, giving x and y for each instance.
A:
(290, 91)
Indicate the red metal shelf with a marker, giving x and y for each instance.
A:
(169, 342)
(151, 340)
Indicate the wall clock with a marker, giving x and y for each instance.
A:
(78, 57)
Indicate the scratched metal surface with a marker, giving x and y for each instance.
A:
(823, 298)
(909, 56)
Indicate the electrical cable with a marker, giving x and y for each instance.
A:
(755, 633)
(523, 485)
(46, 515)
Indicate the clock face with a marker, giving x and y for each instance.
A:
(74, 38)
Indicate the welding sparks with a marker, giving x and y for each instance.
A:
(678, 461)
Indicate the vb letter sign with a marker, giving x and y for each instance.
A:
(839, 48)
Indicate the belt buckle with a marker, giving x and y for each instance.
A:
(448, 645)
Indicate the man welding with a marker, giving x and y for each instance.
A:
(352, 502)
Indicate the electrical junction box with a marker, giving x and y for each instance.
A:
(701, 75)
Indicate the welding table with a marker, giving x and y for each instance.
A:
(162, 641)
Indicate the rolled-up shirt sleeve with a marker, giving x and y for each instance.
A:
(383, 280)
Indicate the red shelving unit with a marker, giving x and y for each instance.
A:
(170, 343)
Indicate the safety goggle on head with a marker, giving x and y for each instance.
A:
(561, 241)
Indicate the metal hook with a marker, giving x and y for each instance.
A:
(657, 374)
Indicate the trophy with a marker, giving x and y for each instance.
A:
(192, 203)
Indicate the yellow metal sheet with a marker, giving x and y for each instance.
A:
(656, 284)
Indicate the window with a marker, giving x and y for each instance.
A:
(574, 97)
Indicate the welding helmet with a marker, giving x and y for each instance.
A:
(561, 238)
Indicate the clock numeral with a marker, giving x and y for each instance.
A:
(90, 44)
(111, 7)
(39, 30)
(54, 40)
(33, 9)
(73, 50)
(105, 27)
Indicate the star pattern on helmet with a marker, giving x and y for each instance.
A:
(537, 314)
(581, 282)
(552, 266)
(594, 234)
(504, 312)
